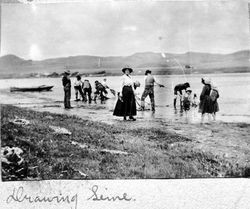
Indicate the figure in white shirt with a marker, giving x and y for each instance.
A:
(149, 90)
(126, 105)
(78, 87)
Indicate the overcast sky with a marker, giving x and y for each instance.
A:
(123, 28)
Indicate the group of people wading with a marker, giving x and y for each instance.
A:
(126, 103)
(83, 90)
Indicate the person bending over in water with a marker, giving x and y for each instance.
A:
(104, 83)
(87, 89)
(78, 87)
(178, 92)
(149, 90)
(100, 90)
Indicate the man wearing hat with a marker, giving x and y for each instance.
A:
(67, 89)
(149, 90)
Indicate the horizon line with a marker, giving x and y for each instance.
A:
(39, 60)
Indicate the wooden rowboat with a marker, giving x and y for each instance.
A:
(35, 88)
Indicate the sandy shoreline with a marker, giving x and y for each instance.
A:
(163, 149)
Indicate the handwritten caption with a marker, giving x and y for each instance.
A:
(19, 195)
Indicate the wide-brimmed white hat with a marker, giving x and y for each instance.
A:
(67, 72)
(214, 87)
(188, 89)
(207, 80)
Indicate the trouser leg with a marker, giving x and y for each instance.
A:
(152, 99)
(175, 98)
(102, 96)
(89, 95)
(95, 95)
(76, 92)
(81, 93)
(67, 98)
(143, 97)
(85, 94)
(202, 117)
(181, 104)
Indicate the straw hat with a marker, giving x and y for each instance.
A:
(127, 68)
(214, 86)
(67, 72)
(207, 81)
(188, 90)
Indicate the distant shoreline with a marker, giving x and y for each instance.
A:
(105, 74)
(158, 63)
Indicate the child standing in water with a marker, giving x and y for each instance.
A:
(195, 101)
(187, 99)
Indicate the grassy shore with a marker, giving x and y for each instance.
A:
(146, 152)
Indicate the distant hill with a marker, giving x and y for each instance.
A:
(163, 63)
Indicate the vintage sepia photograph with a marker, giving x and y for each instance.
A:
(124, 90)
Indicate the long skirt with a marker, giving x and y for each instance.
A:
(215, 107)
(126, 107)
(206, 105)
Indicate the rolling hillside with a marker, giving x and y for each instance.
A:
(164, 64)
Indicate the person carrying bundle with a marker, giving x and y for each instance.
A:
(149, 90)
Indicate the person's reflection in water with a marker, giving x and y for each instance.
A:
(179, 113)
(153, 115)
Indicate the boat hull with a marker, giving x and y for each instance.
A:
(32, 89)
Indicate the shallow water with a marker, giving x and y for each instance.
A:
(234, 98)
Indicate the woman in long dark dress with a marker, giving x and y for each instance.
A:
(206, 105)
(126, 106)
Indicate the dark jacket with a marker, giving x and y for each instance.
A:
(179, 88)
(205, 91)
(66, 82)
(206, 104)
(99, 87)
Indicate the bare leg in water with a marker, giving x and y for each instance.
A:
(214, 116)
